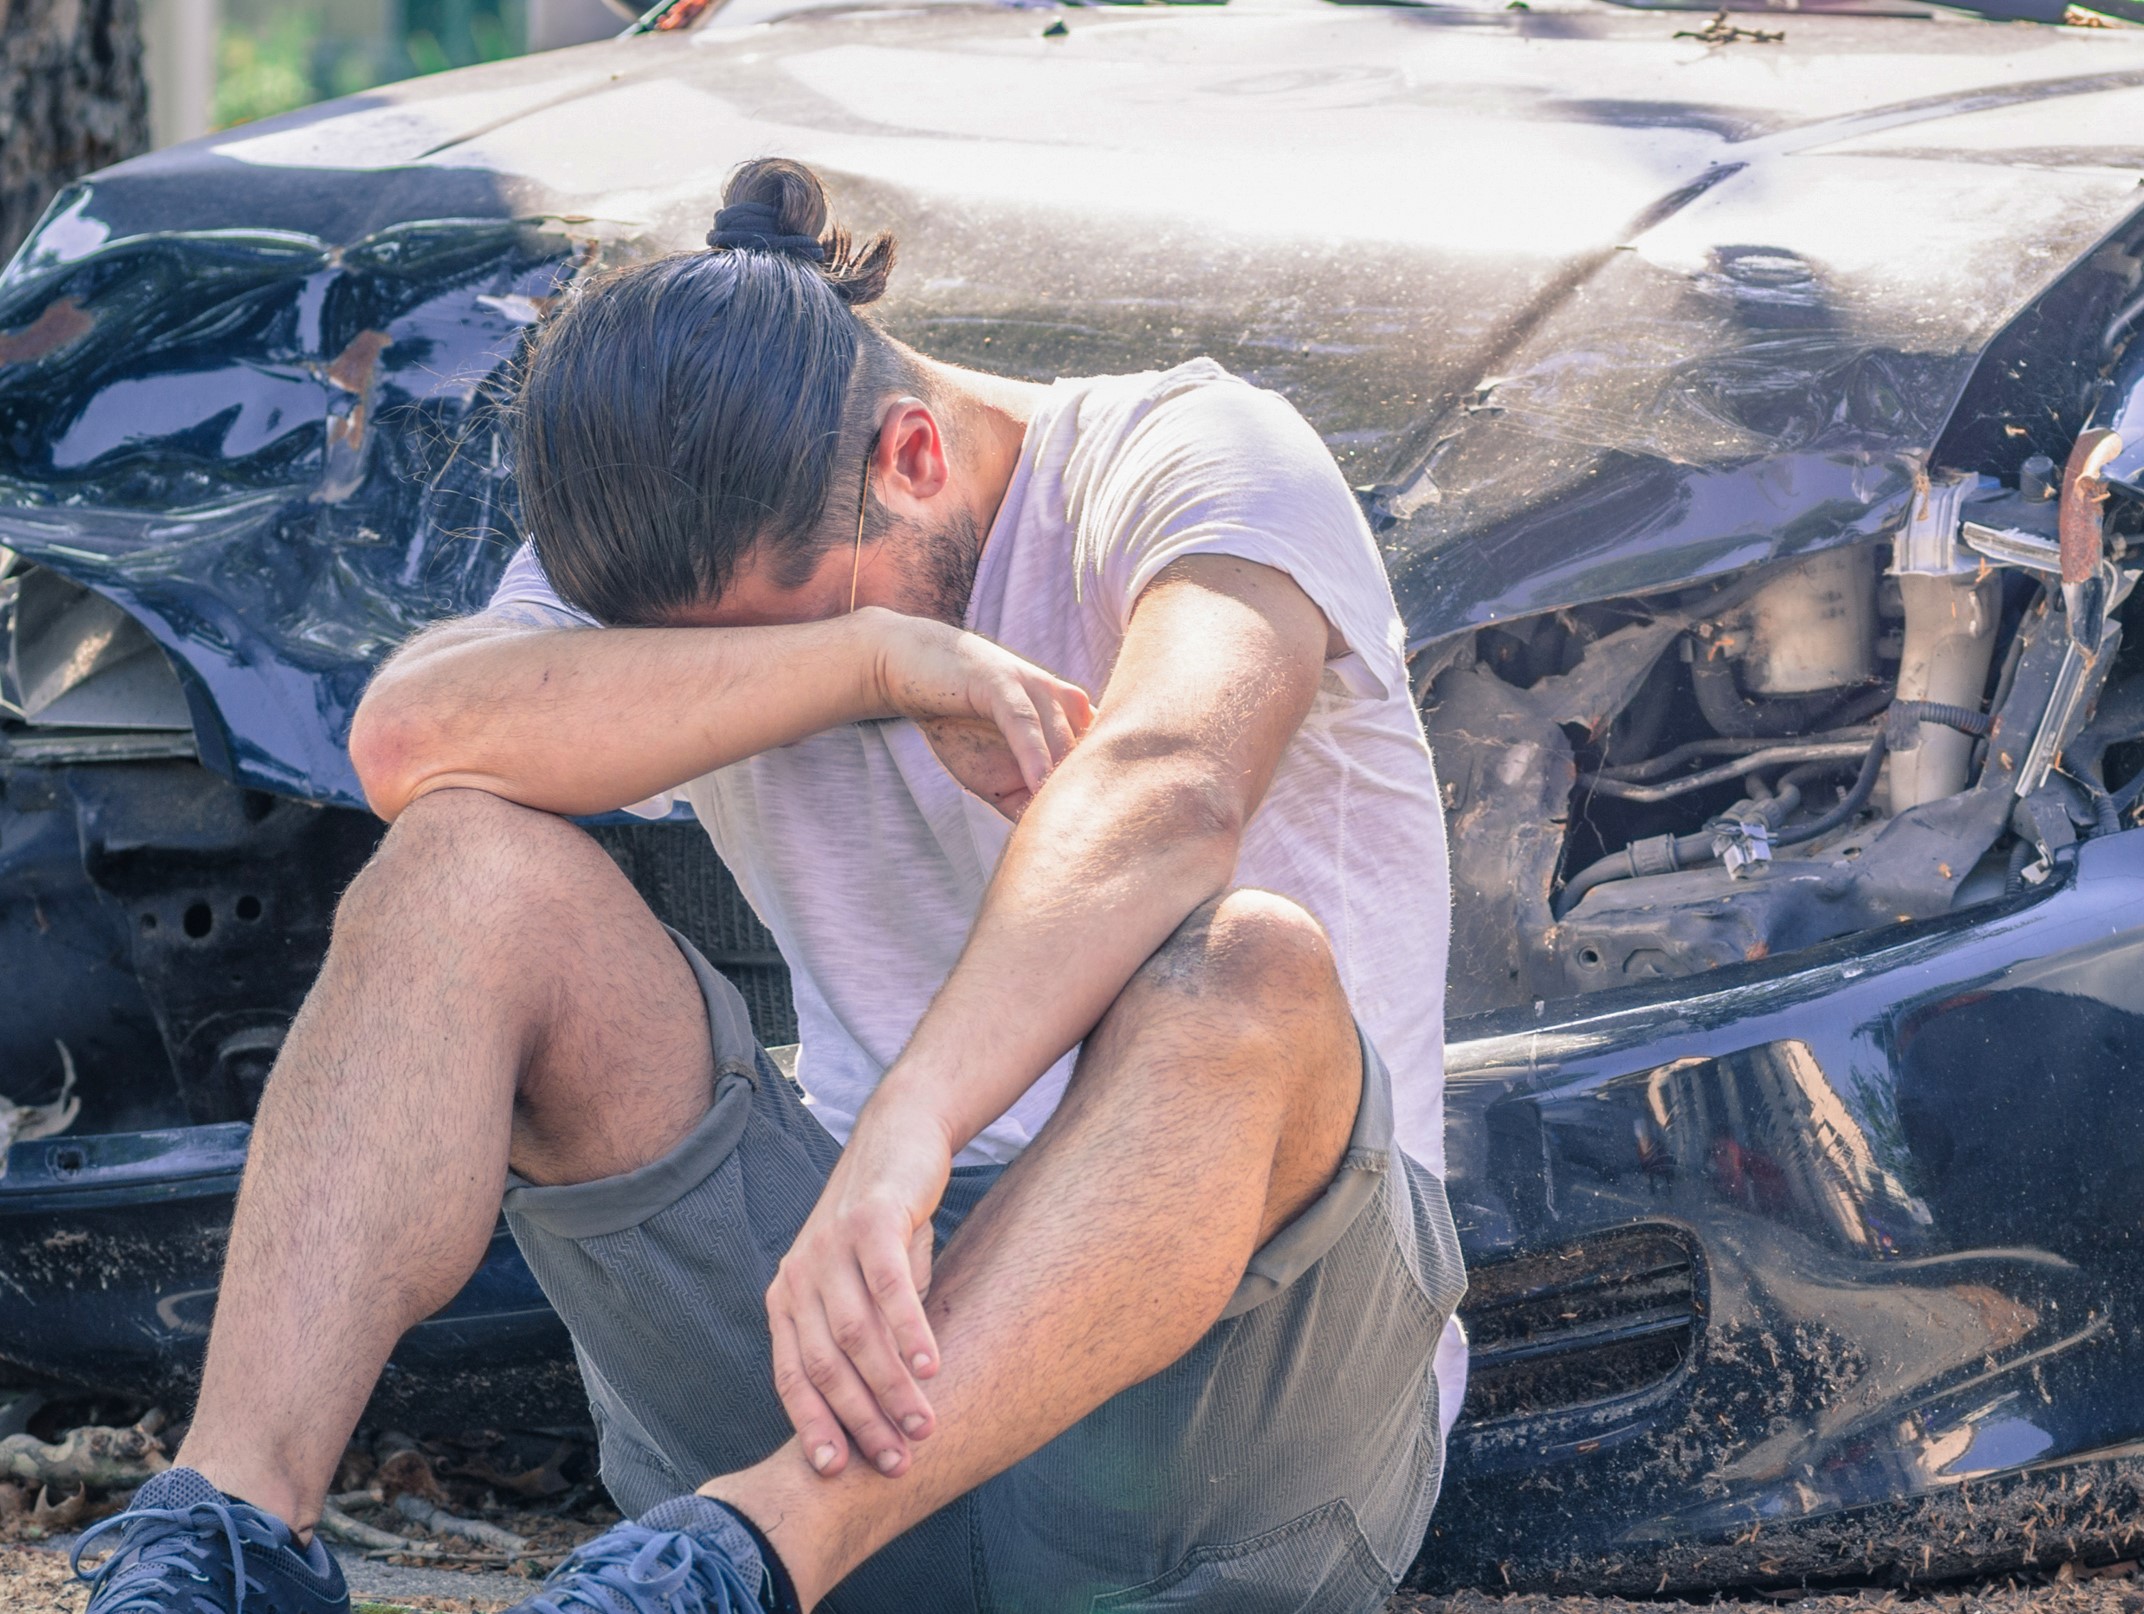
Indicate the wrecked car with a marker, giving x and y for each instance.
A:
(1754, 427)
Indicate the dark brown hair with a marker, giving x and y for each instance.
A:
(673, 417)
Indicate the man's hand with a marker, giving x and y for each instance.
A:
(997, 723)
(851, 1342)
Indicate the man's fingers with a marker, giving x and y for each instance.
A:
(891, 1279)
(1056, 721)
(1077, 707)
(856, 1315)
(831, 1372)
(1022, 728)
(919, 1265)
(825, 1442)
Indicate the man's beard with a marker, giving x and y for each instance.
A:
(938, 569)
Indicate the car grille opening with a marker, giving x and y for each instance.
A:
(674, 867)
(1590, 1321)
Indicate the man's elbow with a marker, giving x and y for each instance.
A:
(1164, 798)
(387, 749)
(400, 731)
(1208, 815)
(1195, 824)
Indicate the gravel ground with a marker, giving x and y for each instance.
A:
(34, 1580)
(402, 1585)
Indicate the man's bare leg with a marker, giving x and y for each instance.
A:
(1212, 1104)
(490, 967)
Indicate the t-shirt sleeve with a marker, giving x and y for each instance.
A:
(524, 595)
(1219, 467)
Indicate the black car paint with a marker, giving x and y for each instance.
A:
(1639, 332)
(1664, 314)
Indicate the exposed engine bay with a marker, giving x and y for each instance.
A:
(1656, 786)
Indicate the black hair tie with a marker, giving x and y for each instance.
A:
(757, 226)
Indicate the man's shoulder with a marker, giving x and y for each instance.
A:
(1123, 401)
(1195, 418)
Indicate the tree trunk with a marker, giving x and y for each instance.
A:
(72, 99)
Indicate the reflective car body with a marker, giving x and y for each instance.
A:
(1824, 1264)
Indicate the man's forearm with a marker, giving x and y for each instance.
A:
(1137, 827)
(1107, 862)
(579, 721)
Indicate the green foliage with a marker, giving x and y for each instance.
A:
(276, 55)
(262, 72)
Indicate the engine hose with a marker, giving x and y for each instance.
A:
(1668, 761)
(2126, 797)
(1660, 854)
(1735, 715)
(1903, 714)
(1860, 710)
(1779, 806)
(1664, 854)
(1962, 718)
(1799, 779)
(2014, 871)
(1856, 798)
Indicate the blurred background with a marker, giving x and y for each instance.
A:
(213, 63)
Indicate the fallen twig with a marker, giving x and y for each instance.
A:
(1720, 31)
(460, 1560)
(438, 1520)
(100, 1458)
(344, 1528)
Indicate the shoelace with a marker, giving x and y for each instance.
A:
(630, 1561)
(169, 1540)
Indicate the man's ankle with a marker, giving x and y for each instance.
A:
(802, 1565)
(248, 1479)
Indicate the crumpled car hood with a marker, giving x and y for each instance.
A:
(1583, 307)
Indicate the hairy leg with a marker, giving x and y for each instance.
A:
(1214, 1101)
(496, 990)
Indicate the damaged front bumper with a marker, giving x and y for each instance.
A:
(112, 1247)
(1828, 1271)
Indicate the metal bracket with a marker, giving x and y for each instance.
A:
(2006, 546)
(2083, 540)
(1741, 844)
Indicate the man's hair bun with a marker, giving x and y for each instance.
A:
(772, 204)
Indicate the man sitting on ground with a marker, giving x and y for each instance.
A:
(1084, 1272)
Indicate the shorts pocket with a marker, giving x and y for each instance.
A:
(1317, 1564)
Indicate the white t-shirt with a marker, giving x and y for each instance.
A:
(868, 862)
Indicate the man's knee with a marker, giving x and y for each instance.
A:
(456, 860)
(1248, 985)
(1251, 949)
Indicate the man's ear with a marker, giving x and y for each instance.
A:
(911, 458)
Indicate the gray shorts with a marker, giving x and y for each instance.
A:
(1288, 1462)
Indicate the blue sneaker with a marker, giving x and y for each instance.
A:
(684, 1556)
(183, 1547)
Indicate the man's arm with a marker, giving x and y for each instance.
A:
(577, 720)
(1138, 827)
(1143, 824)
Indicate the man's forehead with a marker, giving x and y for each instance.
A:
(754, 599)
